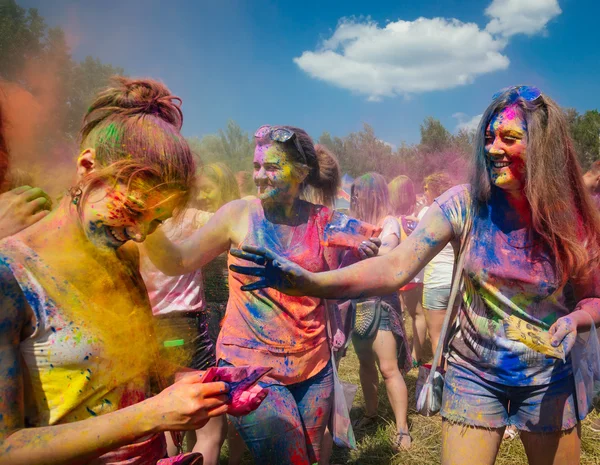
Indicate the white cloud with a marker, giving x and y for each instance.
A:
(510, 17)
(410, 57)
(466, 123)
(404, 57)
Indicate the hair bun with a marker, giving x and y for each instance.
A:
(141, 96)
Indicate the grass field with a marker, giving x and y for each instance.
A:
(374, 447)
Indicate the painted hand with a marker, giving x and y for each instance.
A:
(188, 404)
(248, 401)
(274, 271)
(338, 340)
(369, 248)
(21, 207)
(564, 331)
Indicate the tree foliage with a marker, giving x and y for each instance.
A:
(38, 59)
(232, 146)
(585, 130)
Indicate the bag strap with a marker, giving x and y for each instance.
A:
(457, 278)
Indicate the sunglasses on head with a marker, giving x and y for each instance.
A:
(279, 134)
(528, 93)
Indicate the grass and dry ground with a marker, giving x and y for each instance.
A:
(374, 447)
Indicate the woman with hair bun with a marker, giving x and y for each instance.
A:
(77, 350)
(264, 327)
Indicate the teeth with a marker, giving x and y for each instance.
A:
(117, 235)
(501, 164)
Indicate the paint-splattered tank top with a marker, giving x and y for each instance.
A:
(80, 362)
(268, 328)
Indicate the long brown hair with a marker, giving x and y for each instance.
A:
(563, 214)
(134, 127)
(369, 198)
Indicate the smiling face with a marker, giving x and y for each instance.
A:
(505, 147)
(274, 176)
(208, 197)
(111, 215)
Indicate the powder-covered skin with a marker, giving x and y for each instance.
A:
(75, 357)
(507, 275)
(506, 144)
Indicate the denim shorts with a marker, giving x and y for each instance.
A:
(436, 298)
(384, 320)
(471, 400)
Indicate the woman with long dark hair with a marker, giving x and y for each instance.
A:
(531, 235)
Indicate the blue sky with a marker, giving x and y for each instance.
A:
(380, 65)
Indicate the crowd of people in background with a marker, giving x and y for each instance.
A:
(153, 269)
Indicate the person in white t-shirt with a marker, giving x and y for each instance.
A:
(437, 279)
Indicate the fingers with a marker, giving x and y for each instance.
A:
(560, 330)
(258, 259)
(39, 204)
(261, 251)
(20, 189)
(34, 193)
(37, 217)
(376, 241)
(210, 403)
(569, 342)
(361, 253)
(248, 270)
(260, 284)
(221, 410)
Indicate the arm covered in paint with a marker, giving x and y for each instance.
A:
(372, 277)
(200, 248)
(186, 405)
(587, 310)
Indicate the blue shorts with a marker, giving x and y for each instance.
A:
(436, 298)
(471, 400)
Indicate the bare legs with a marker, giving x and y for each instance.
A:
(411, 302)
(382, 351)
(210, 439)
(435, 321)
(479, 446)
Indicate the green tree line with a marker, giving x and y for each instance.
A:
(362, 151)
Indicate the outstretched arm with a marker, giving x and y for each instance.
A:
(200, 248)
(376, 276)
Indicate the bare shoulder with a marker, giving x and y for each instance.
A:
(235, 216)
